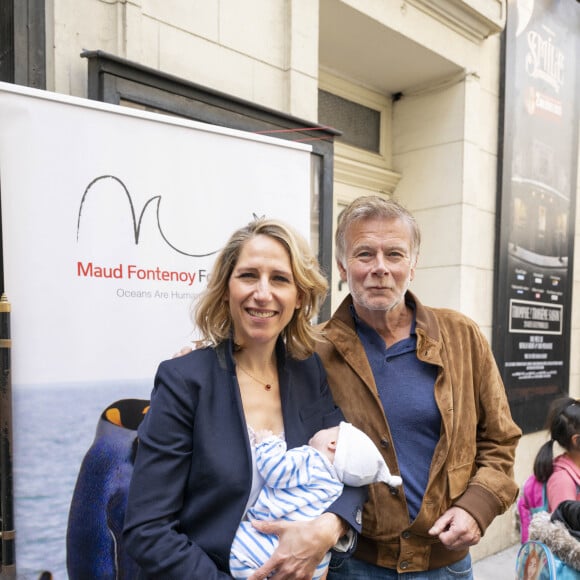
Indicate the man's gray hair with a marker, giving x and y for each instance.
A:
(374, 207)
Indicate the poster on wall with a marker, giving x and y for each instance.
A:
(537, 204)
(111, 219)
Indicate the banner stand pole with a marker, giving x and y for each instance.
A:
(7, 533)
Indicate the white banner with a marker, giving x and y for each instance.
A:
(111, 218)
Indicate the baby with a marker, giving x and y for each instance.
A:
(301, 483)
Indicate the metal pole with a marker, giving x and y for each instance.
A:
(7, 534)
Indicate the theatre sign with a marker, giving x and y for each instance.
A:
(537, 205)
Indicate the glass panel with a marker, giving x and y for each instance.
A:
(360, 125)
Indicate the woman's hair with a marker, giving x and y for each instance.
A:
(212, 313)
(374, 207)
(563, 423)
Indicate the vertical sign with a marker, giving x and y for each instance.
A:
(537, 204)
(111, 220)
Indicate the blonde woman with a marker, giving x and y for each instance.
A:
(195, 474)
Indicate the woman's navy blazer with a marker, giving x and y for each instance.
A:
(193, 470)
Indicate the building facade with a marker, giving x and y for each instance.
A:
(409, 88)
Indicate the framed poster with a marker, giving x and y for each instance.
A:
(537, 204)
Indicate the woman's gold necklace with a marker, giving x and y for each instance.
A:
(267, 386)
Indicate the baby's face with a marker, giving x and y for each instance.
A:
(325, 441)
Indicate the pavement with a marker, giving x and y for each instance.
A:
(500, 566)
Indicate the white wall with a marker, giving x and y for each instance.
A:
(262, 51)
(445, 147)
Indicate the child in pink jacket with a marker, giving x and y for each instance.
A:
(562, 474)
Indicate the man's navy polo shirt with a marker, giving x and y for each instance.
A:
(406, 389)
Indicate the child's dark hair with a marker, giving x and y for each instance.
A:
(563, 423)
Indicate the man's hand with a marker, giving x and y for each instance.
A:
(456, 529)
(184, 350)
(302, 546)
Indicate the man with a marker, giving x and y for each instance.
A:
(423, 384)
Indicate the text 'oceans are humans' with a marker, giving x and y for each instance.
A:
(133, 272)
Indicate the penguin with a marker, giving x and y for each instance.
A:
(94, 545)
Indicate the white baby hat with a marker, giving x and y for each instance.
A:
(357, 460)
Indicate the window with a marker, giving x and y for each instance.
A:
(363, 119)
(360, 125)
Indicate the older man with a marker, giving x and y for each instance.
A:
(423, 384)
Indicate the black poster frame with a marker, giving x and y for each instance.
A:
(537, 184)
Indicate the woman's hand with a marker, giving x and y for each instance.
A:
(302, 545)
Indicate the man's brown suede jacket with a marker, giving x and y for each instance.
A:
(473, 461)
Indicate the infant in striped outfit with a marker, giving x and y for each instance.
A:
(301, 483)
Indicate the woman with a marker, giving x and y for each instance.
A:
(195, 473)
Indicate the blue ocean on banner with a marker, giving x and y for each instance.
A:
(53, 428)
